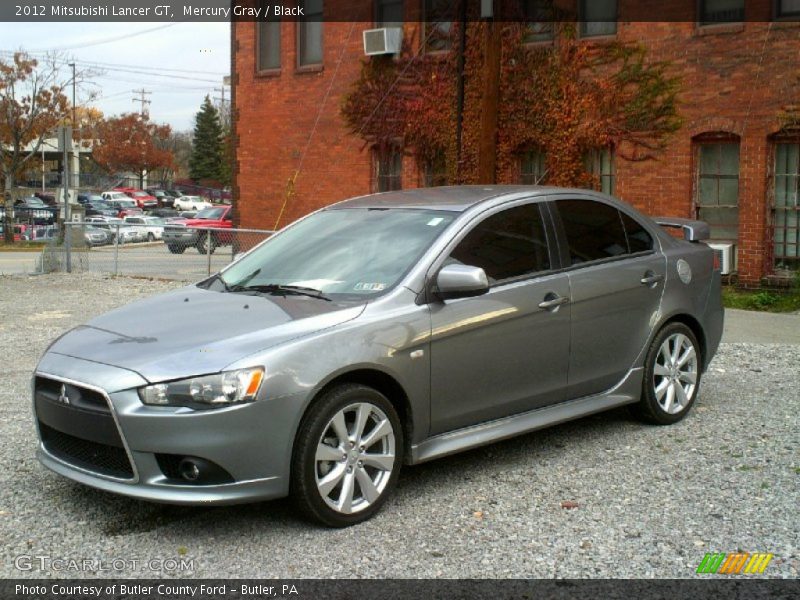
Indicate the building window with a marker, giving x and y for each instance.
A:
(439, 16)
(540, 22)
(599, 163)
(717, 188)
(388, 169)
(787, 8)
(721, 11)
(597, 17)
(531, 167)
(269, 45)
(309, 34)
(786, 207)
(388, 13)
(434, 171)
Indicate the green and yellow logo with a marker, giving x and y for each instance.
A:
(734, 563)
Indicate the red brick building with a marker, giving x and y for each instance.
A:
(735, 162)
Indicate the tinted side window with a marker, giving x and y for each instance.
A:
(638, 238)
(508, 244)
(594, 230)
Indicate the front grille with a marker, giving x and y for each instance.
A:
(78, 396)
(77, 426)
(100, 458)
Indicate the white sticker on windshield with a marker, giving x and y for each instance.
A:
(435, 221)
(369, 287)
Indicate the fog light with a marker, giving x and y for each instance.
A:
(189, 470)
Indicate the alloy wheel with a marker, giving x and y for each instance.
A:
(675, 373)
(355, 457)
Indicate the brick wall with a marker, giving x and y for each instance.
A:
(736, 79)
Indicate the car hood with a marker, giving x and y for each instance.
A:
(193, 331)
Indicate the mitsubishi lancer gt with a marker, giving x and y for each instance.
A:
(383, 331)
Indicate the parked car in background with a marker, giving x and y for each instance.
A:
(153, 226)
(127, 233)
(87, 197)
(35, 210)
(173, 193)
(48, 198)
(191, 203)
(124, 207)
(96, 236)
(143, 200)
(178, 236)
(187, 214)
(99, 207)
(164, 200)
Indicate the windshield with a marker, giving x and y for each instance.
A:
(126, 203)
(357, 252)
(210, 213)
(154, 221)
(141, 194)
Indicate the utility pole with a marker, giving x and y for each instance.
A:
(142, 93)
(75, 169)
(222, 92)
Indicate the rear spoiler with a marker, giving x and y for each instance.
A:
(693, 231)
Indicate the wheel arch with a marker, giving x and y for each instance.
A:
(697, 329)
(384, 383)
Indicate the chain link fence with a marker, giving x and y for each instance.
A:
(171, 251)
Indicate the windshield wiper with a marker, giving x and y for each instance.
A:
(276, 288)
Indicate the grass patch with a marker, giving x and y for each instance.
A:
(764, 300)
(22, 246)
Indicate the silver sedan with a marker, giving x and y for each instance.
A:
(384, 330)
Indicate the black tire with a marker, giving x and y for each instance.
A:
(305, 468)
(203, 240)
(151, 237)
(176, 249)
(651, 407)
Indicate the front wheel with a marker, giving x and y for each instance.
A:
(176, 249)
(347, 456)
(208, 238)
(671, 376)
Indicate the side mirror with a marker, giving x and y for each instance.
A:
(461, 281)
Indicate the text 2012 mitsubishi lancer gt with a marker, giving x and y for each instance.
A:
(384, 330)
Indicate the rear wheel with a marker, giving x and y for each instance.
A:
(347, 456)
(151, 237)
(176, 249)
(671, 376)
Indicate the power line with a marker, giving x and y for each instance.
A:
(107, 40)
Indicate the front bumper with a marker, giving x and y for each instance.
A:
(252, 442)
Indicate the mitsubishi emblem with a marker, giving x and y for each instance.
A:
(62, 397)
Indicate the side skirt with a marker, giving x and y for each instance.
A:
(627, 391)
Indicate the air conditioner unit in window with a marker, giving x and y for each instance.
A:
(385, 40)
(726, 253)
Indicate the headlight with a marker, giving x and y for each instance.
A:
(208, 391)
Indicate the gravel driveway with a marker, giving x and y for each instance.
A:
(647, 501)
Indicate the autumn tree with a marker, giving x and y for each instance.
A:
(32, 104)
(206, 162)
(131, 143)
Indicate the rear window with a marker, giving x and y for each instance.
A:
(594, 230)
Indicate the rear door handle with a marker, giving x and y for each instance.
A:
(553, 301)
(651, 278)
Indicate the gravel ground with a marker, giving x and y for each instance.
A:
(650, 501)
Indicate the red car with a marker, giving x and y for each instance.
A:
(179, 235)
(143, 200)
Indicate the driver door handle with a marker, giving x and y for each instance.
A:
(553, 301)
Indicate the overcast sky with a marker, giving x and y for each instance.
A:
(193, 56)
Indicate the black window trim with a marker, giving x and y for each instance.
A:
(600, 36)
(268, 71)
(561, 235)
(778, 16)
(700, 5)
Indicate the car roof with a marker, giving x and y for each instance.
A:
(456, 198)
